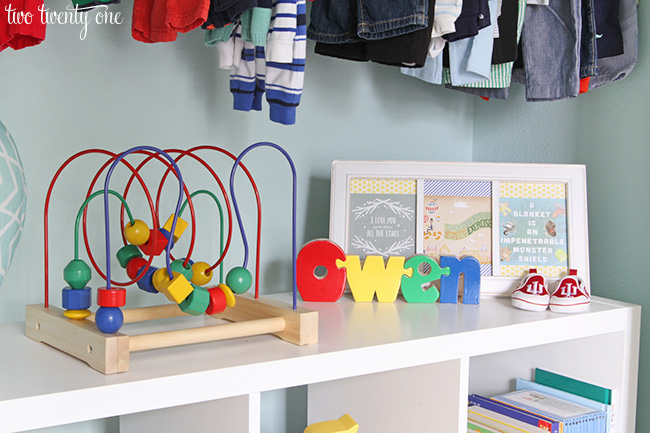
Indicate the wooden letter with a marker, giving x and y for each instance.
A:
(374, 277)
(320, 288)
(471, 269)
(413, 287)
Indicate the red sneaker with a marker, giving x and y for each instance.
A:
(571, 296)
(532, 294)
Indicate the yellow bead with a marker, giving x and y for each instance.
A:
(136, 234)
(177, 289)
(181, 225)
(230, 296)
(200, 277)
(160, 278)
(76, 314)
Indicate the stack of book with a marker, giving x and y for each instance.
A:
(552, 403)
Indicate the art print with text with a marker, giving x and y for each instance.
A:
(533, 228)
(457, 218)
(381, 219)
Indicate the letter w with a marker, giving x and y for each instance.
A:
(374, 277)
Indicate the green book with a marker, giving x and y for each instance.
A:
(473, 426)
(574, 386)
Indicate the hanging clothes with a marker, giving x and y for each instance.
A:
(19, 33)
(407, 49)
(347, 21)
(556, 48)
(276, 69)
(85, 5)
(615, 68)
(162, 20)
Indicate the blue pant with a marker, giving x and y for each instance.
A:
(551, 45)
(345, 21)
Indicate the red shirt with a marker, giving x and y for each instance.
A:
(161, 20)
(23, 35)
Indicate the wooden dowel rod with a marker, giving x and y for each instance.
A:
(181, 337)
(142, 314)
(132, 315)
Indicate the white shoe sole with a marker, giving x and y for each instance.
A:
(569, 308)
(529, 305)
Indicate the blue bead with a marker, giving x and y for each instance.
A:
(109, 320)
(76, 299)
(145, 282)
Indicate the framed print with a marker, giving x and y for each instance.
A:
(382, 217)
(511, 217)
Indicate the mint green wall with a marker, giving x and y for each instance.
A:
(109, 91)
(112, 92)
(607, 129)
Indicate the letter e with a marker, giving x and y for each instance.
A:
(412, 287)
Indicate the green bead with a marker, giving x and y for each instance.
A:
(239, 279)
(197, 301)
(126, 253)
(177, 266)
(77, 274)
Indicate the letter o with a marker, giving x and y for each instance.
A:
(320, 288)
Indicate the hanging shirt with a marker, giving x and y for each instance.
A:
(162, 20)
(22, 35)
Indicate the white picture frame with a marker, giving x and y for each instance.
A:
(572, 176)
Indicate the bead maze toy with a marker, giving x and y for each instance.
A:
(95, 337)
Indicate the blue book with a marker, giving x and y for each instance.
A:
(574, 417)
(588, 390)
(548, 424)
(573, 398)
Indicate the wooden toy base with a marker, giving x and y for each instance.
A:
(109, 353)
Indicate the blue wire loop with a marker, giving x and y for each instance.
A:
(106, 213)
(293, 220)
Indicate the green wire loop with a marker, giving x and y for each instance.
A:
(84, 205)
(216, 200)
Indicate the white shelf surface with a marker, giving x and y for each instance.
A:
(41, 387)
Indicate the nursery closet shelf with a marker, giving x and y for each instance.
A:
(420, 360)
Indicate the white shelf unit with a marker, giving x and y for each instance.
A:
(392, 366)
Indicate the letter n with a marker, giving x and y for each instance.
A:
(471, 269)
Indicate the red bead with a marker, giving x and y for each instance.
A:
(134, 266)
(217, 301)
(154, 249)
(111, 298)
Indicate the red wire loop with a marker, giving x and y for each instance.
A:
(154, 209)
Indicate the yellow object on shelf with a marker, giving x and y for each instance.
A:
(345, 424)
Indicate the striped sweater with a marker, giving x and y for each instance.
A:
(277, 69)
